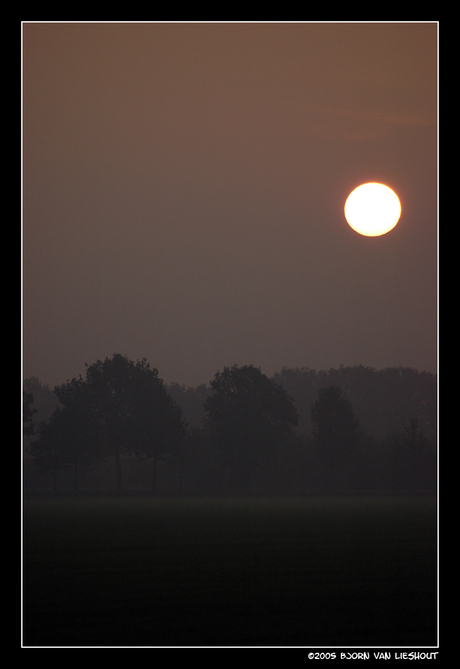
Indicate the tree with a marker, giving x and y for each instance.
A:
(68, 438)
(191, 401)
(130, 408)
(46, 449)
(45, 401)
(156, 426)
(28, 412)
(248, 415)
(414, 459)
(335, 431)
(39, 399)
(106, 391)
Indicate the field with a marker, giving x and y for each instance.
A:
(230, 572)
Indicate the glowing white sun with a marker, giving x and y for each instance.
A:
(372, 209)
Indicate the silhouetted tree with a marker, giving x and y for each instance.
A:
(156, 426)
(300, 384)
(130, 407)
(335, 432)
(106, 389)
(43, 405)
(384, 399)
(47, 449)
(248, 415)
(69, 438)
(414, 460)
(191, 401)
(45, 401)
(27, 414)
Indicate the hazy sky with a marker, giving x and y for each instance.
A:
(183, 194)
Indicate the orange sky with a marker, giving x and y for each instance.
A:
(184, 187)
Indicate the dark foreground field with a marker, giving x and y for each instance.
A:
(244, 572)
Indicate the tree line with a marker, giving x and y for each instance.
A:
(340, 430)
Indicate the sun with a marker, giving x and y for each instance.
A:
(372, 209)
